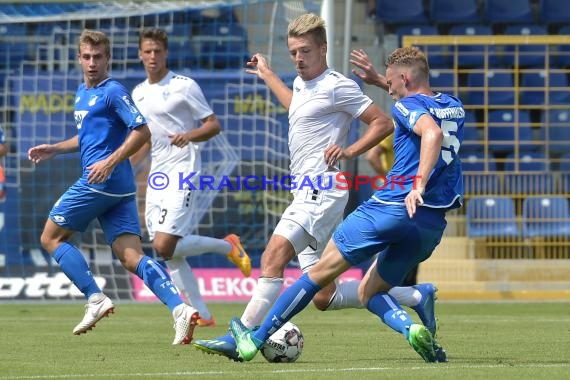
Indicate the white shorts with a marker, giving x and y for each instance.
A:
(170, 211)
(310, 220)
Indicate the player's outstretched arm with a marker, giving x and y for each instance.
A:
(46, 152)
(101, 170)
(260, 67)
(367, 72)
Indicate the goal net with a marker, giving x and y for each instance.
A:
(208, 41)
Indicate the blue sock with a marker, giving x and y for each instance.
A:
(290, 303)
(390, 312)
(73, 264)
(159, 282)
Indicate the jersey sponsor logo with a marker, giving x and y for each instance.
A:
(402, 108)
(79, 116)
(59, 219)
(41, 285)
(131, 106)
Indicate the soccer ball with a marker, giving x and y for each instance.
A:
(285, 345)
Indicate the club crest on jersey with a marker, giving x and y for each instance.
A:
(92, 101)
(79, 116)
(165, 94)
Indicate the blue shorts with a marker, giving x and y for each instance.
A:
(401, 242)
(80, 204)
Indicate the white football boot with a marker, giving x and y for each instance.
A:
(185, 319)
(97, 307)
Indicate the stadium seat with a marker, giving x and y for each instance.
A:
(506, 128)
(562, 56)
(564, 165)
(499, 86)
(557, 93)
(472, 134)
(522, 184)
(438, 56)
(507, 11)
(526, 161)
(441, 80)
(222, 46)
(557, 124)
(481, 184)
(454, 11)
(474, 55)
(545, 216)
(410, 12)
(553, 12)
(477, 162)
(491, 217)
(529, 55)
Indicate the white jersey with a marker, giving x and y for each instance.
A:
(320, 115)
(174, 105)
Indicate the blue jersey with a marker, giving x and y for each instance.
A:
(444, 188)
(104, 115)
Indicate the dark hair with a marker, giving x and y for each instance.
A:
(154, 34)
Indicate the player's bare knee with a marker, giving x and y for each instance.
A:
(321, 301)
(163, 250)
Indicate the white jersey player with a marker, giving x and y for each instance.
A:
(179, 117)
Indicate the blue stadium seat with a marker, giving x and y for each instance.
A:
(545, 216)
(223, 46)
(481, 184)
(442, 80)
(401, 12)
(562, 56)
(553, 12)
(454, 12)
(557, 124)
(528, 183)
(504, 133)
(529, 55)
(438, 56)
(472, 134)
(476, 162)
(557, 92)
(564, 165)
(491, 217)
(527, 161)
(507, 11)
(499, 86)
(474, 55)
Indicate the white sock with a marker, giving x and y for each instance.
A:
(185, 280)
(406, 295)
(195, 245)
(345, 296)
(264, 295)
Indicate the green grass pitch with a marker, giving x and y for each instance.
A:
(496, 341)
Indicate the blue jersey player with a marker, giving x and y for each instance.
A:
(109, 130)
(404, 222)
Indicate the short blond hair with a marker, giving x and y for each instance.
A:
(308, 23)
(410, 56)
(94, 38)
